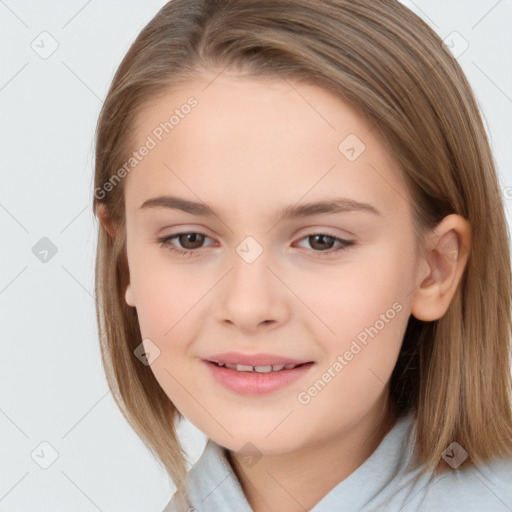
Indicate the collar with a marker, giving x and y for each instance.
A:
(213, 485)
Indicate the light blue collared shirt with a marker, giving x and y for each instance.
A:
(382, 483)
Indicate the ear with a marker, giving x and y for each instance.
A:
(103, 215)
(442, 266)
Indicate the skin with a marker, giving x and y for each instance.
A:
(249, 148)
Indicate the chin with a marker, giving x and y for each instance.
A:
(257, 442)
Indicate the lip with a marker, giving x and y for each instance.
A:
(259, 359)
(254, 383)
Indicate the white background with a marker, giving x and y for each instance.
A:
(52, 387)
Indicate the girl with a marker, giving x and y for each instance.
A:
(303, 251)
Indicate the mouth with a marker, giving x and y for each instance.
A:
(266, 374)
(271, 368)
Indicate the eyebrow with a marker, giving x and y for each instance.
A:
(329, 205)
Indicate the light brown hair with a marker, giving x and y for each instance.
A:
(390, 65)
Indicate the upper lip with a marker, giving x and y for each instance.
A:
(254, 359)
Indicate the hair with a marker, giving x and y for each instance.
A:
(453, 373)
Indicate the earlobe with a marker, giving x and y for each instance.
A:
(128, 296)
(446, 259)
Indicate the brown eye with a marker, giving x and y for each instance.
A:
(321, 242)
(325, 244)
(191, 240)
(184, 244)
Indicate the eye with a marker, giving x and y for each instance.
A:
(323, 241)
(193, 241)
(190, 241)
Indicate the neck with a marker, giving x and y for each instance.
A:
(296, 481)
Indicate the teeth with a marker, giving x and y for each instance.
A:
(263, 369)
(258, 369)
(243, 368)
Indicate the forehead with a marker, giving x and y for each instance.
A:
(259, 141)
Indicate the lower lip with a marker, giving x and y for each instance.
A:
(254, 383)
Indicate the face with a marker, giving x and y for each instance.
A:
(327, 287)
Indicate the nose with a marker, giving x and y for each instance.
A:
(251, 297)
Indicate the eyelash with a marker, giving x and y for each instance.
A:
(346, 244)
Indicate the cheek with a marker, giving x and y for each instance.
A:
(353, 296)
(369, 324)
(366, 307)
(166, 293)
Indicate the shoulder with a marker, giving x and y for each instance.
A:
(474, 489)
(468, 488)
